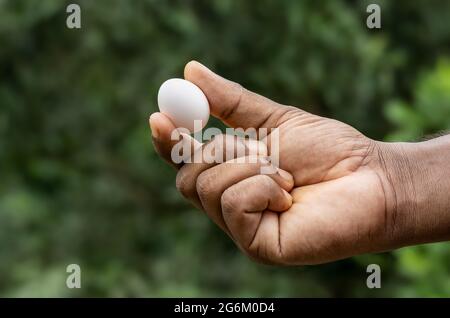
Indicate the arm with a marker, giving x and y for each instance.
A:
(416, 179)
(337, 193)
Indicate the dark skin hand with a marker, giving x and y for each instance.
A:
(337, 193)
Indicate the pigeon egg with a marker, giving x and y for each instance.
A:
(184, 103)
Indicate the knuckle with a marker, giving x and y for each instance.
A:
(204, 185)
(229, 201)
(238, 92)
(266, 182)
(183, 183)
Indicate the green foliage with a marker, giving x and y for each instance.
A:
(430, 110)
(425, 269)
(81, 183)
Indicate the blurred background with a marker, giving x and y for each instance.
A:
(80, 181)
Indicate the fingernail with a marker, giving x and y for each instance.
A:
(285, 175)
(199, 66)
(288, 196)
(153, 127)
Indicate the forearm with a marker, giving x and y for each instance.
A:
(416, 181)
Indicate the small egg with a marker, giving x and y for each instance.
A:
(183, 102)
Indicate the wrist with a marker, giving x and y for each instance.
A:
(415, 178)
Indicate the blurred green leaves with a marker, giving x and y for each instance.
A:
(81, 183)
(430, 110)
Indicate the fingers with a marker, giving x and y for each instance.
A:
(221, 149)
(210, 184)
(162, 128)
(229, 102)
(234, 105)
(248, 209)
(165, 137)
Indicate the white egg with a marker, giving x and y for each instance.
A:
(183, 102)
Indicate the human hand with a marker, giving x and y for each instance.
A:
(332, 197)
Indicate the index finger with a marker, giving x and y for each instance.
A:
(164, 140)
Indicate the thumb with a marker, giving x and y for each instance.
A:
(231, 103)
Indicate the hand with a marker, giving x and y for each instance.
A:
(332, 197)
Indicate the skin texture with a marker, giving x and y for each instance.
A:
(336, 193)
